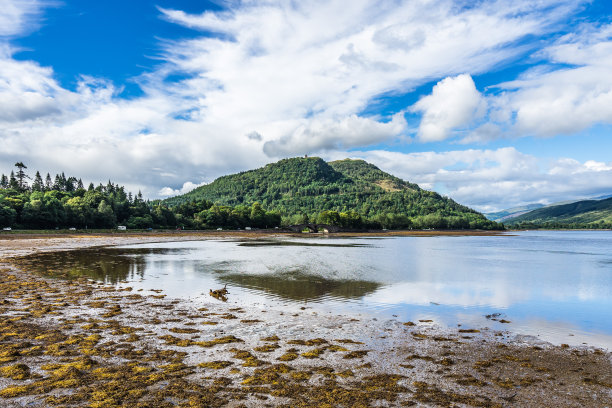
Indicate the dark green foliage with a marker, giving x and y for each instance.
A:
(350, 193)
(590, 214)
(65, 203)
(37, 184)
(7, 215)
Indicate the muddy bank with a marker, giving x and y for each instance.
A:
(80, 343)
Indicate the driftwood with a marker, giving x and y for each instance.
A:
(219, 293)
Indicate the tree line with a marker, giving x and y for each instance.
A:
(64, 202)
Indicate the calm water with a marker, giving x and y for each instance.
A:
(556, 285)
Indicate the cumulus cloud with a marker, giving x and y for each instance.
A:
(491, 180)
(548, 101)
(352, 131)
(453, 102)
(187, 187)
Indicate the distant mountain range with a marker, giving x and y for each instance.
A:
(307, 188)
(595, 213)
(503, 215)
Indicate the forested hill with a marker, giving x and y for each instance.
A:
(581, 214)
(310, 189)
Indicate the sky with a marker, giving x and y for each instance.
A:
(492, 103)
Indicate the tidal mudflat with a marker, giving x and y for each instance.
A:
(80, 342)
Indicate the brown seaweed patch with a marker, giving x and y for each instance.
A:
(181, 330)
(271, 338)
(288, 356)
(216, 365)
(314, 353)
(348, 341)
(15, 372)
(356, 354)
(267, 348)
(469, 331)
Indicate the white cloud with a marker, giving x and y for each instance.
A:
(454, 102)
(19, 16)
(548, 101)
(491, 180)
(187, 187)
(351, 131)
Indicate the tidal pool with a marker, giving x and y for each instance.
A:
(554, 285)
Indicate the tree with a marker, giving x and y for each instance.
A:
(329, 217)
(7, 216)
(4, 182)
(13, 182)
(48, 182)
(78, 213)
(105, 217)
(37, 184)
(21, 176)
(258, 216)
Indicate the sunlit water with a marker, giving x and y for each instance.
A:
(553, 285)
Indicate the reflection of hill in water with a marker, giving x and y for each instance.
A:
(320, 244)
(296, 286)
(109, 265)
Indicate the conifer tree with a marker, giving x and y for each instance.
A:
(37, 184)
(48, 182)
(13, 182)
(21, 176)
(57, 184)
(4, 183)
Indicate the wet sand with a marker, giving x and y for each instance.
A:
(80, 343)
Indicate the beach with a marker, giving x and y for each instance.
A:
(78, 342)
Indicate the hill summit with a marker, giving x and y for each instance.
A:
(310, 188)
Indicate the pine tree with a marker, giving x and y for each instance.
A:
(91, 187)
(13, 182)
(21, 176)
(48, 182)
(80, 185)
(71, 184)
(4, 183)
(38, 185)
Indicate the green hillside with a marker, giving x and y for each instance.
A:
(300, 188)
(580, 214)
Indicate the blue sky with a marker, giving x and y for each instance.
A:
(496, 103)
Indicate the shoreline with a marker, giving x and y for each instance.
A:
(76, 338)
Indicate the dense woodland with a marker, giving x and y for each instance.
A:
(63, 202)
(350, 193)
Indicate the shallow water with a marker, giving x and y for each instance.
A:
(553, 285)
